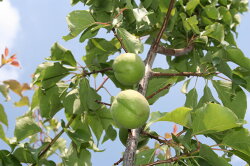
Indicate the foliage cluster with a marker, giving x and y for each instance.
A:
(199, 41)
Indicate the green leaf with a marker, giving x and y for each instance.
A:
(7, 159)
(79, 136)
(157, 83)
(131, 42)
(48, 74)
(60, 145)
(2, 134)
(45, 162)
(236, 55)
(3, 116)
(24, 155)
(241, 77)
(226, 15)
(232, 99)
(212, 12)
(25, 126)
(110, 134)
(90, 32)
(74, 158)
(193, 23)
(59, 53)
(180, 116)
(207, 97)
(191, 5)
(88, 96)
(98, 51)
(215, 31)
(191, 98)
(238, 139)
(78, 20)
(50, 100)
(99, 121)
(24, 101)
(72, 103)
(185, 86)
(141, 15)
(5, 91)
(213, 118)
(211, 157)
(145, 157)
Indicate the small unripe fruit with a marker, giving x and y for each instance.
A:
(128, 68)
(130, 109)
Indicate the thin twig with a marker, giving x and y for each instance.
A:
(119, 161)
(224, 78)
(161, 141)
(100, 102)
(187, 74)
(107, 90)
(181, 132)
(215, 145)
(44, 151)
(220, 149)
(97, 71)
(101, 85)
(158, 91)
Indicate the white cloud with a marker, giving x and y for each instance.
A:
(8, 73)
(9, 24)
(9, 27)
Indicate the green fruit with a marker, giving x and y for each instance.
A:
(123, 136)
(128, 68)
(130, 109)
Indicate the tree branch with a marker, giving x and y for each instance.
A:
(119, 161)
(132, 141)
(46, 149)
(161, 141)
(100, 102)
(174, 52)
(187, 74)
(96, 71)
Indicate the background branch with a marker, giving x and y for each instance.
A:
(174, 52)
(46, 149)
(159, 74)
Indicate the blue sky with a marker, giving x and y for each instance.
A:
(30, 27)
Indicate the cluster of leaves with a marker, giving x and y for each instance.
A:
(209, 26)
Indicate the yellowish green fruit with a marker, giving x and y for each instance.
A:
(130, 109)
(128, 68)
(123, 136)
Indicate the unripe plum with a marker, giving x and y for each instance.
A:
(128, 68)
(130, 109)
